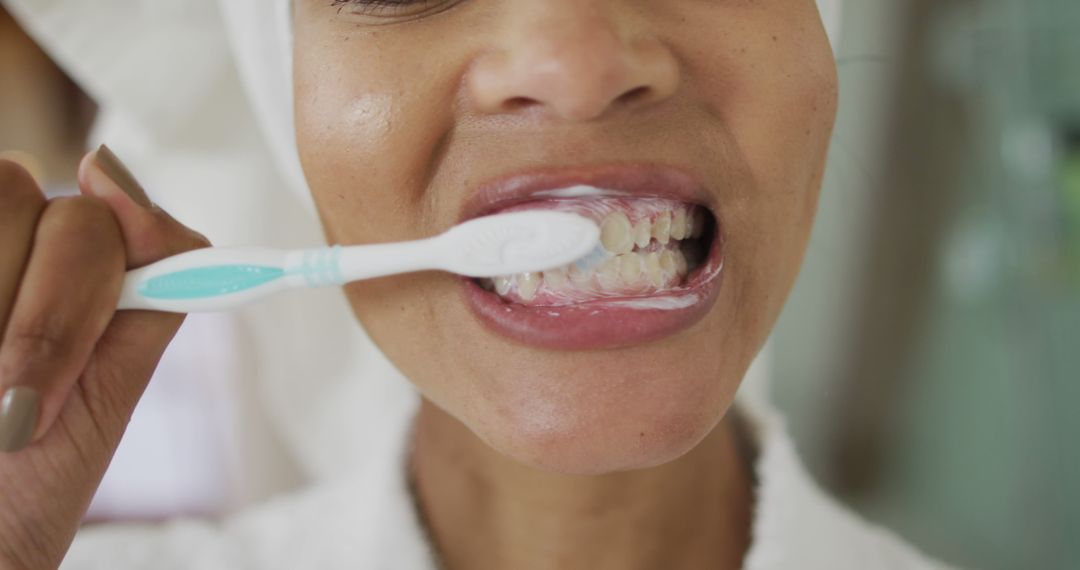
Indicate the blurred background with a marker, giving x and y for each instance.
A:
(928, 358)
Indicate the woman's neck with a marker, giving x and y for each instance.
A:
(485, 511)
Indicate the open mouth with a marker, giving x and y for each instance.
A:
(650, 248)
(659, 271)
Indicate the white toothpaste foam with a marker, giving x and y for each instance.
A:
(665, 303)
(580, 191)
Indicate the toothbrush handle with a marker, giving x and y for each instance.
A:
(222, 278)
(203, 280)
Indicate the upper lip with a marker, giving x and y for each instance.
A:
(640, 180)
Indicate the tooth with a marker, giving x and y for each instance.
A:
(662, 228)
(581, 278)
(615, 233)
(682, 267)
(642, 233)
(652, 269)
(678, 225)
(527, 284)
(608, 274)
(697, 224)
(556, 279)
(502, 284)
(667, 265)
(630, 266)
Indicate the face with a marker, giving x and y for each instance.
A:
(695, 132)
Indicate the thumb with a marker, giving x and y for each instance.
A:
(149, 233)
(135, 340)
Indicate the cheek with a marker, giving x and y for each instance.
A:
(366, 131)
(775, 93)
(367, 127)
(782, 114)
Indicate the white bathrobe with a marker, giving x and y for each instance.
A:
(196, 96)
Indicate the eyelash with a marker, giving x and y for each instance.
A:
(375, 7)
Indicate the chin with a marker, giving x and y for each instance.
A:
(618, 446)
(622, 422)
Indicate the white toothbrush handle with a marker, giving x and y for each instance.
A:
(222, 278)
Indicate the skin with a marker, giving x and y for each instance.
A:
(561, 458)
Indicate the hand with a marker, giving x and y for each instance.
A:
(72, 368)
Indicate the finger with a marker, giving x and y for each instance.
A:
(136, 339)
(150, 233)
(65, 301)
(21, 204)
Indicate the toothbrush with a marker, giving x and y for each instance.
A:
(223, 278)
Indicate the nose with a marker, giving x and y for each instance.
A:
(571, 59)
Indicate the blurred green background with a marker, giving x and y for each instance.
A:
(929, 359)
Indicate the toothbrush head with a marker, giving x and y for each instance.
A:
(519, 242)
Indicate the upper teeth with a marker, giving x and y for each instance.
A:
(662, 228)
(678, 225)
(618, 235)
(642, 233)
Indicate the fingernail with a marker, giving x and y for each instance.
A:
(18, 418)
(116, 176)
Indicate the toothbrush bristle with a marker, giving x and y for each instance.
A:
(592, 260)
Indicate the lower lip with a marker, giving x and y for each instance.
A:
(602, 324)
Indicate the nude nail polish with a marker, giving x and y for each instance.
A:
(19, 410)
(115, 170)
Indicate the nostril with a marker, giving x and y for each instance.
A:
(518, 103)
(633, 94)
